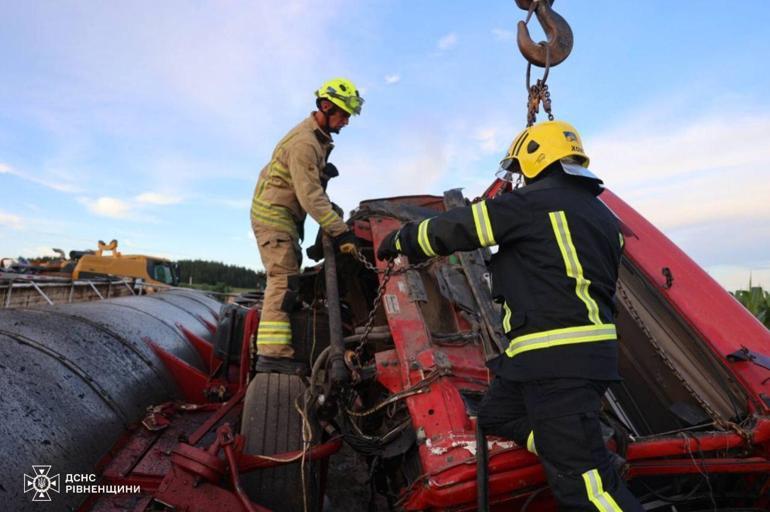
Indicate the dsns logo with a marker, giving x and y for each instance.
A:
(40, 483)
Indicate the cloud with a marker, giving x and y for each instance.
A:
(447, 42)
(412, 163)
(40, 250)
(67, 188)
(10, 220)
(504, 35)
(157, 198)
(206, 59)
(645, 152)
(488, 139)
(174, 76)
(133, 209)
(698, 200)
(179, 172)
(49, 180)
(425, 156)
(392, 79)
(690, 173)
(109, 207)
(704, 185)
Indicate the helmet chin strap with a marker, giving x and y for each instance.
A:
(325, 127)
(329, 112)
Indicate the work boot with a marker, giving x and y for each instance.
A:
(285, 365)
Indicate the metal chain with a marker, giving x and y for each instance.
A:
(640, 323)
(538, 93)
(387, 273)
(376, 304)
(391, 264)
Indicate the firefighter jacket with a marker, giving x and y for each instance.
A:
(554, 273)
(290, 185)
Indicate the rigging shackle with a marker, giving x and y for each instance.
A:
(559, 44)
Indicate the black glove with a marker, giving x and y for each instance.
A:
(347, 243)
(328, 172)
(387, 249)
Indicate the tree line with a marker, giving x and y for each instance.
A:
(214, 273)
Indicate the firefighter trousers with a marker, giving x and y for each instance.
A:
(281, 257)
(558, 420)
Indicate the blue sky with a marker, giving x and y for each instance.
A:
(149, 121)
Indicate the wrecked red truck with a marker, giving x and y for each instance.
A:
(150, 403)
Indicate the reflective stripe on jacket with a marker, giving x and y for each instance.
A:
(554, 273)
(289, 186)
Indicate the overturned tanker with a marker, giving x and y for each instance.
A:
(77, 377)
(161, 406)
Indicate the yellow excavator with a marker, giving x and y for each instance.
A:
(150, 269)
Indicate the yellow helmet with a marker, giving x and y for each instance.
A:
(542, 144)
(342, 93)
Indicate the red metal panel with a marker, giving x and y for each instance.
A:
(388, 373)
(722, 322)
(185, 492)
(250, 325)
(236, 402)
(501, 483)
(191, 381)
(204, 348)
(438, 414)
(700, 442)
(212, 328)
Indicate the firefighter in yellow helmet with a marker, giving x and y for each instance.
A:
(290, 186)
(554, 275)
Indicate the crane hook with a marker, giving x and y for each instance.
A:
(556, 28)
